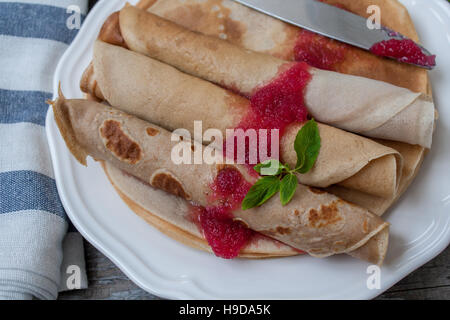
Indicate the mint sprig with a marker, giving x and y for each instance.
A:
(278, 176)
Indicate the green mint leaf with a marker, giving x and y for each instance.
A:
(300, 160)
(288, 186)
(271, 167)
(261, 191)
(307, 146)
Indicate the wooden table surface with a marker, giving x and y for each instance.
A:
(106, 281)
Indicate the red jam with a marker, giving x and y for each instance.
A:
(227, 181)
(281, 102)
(404, 50)
(275, 106)
(319, 51)
(229, 188)
(225, 236)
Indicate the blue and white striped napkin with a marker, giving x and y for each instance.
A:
(40, 252)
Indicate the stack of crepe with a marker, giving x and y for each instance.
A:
(159, 76)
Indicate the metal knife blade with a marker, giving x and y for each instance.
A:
(328, 21)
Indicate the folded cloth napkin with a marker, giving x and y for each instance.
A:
(40, 253)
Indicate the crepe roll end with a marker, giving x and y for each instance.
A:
(383, 173)
(89, 85)
(62, 119)
(374, 251)
(110, 31)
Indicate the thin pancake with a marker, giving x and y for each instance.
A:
(170, 215)
(159, 93)
(353, 103)
(316, 222)
(256, 31)
(259, 32)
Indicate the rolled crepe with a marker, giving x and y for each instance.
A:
(259, 32)
(412, 160)
(167, 97)
(314, 221)
(171, 215)
(253, 30)
(369, 107)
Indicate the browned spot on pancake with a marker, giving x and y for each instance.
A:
(316, 191)
(365, 226)
(296, 212)
(119, 143)
(277, 231)
(282, 230)
(167, 182)
(326, 215)
(152, 131)
(233, 29)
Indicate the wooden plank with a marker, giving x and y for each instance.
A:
(431, 281)
(106, 281)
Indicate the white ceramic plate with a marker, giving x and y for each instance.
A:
(420, 220)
